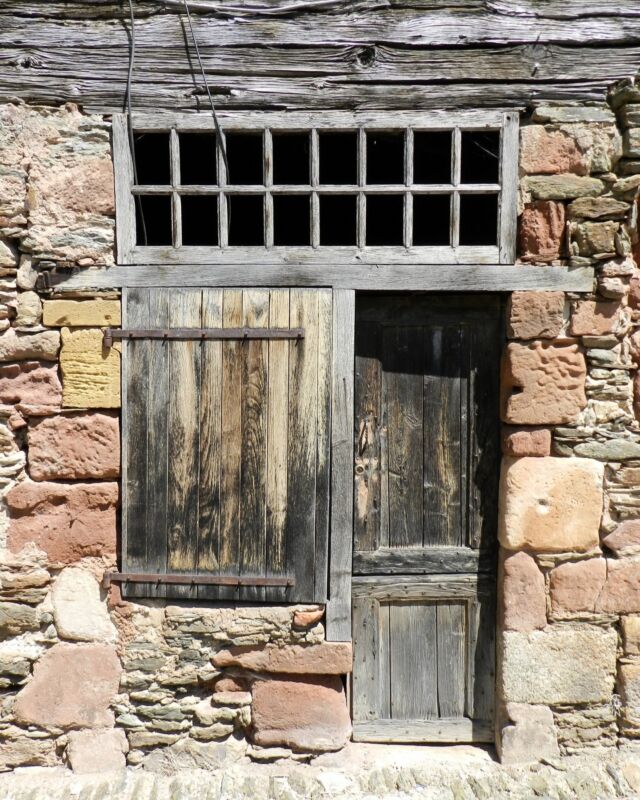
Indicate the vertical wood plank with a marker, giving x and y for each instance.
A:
(231, 445)
(481, 657)
(509, 148)
(301, 467)
(366, 650)
(210, 443)
(323, 444)
(253, 473)
(403, 348)
(443, 460)
(384, 660)
(451, 627)
(277, 441)
(338, 616)
(368, 419)
(158, 437)
(414, 689)
(134, 440)
(125, 203)
(184, 432)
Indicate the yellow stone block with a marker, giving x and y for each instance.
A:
(81, 313)
(90, 372)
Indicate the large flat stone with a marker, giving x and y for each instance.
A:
(33, 386)
(576, 585)
(327, 658)
(595, 318)
(72, 687)
(81, 313)
(550, 151)
(79, 612)
(68, 521)
(305, 714)
(90, 372)
(43, 346)
(534, 315)
(97, 751)
(625, 539)
(529, 736)
(542, 384)
(563, 187)
(559, 665)
(550, 504)
(524, 601)
(75, 446)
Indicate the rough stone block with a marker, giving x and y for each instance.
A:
(43, 346)
(597, 208)
(541, 231)
(595, 318)
(534, 315)
(72, 687)
(596, 237)
(305, 618)
(327, 658)
(548, 152)
(625, 539)
(78, 610)
(28, 309)
(16, 618)
(631, 634)
(562, 187)
(549, 383)
(74, 446)
(520, 442)
(629, 687)
(530, 735)
(67, 521)
(631, 143)
(90, 372)
(550, 504)
(97, 751)
(305, 714)
(24, 752)
(559, 665)
(576, 586)
(621, 592)
(32, 386)
(523, 598)
(81, 313)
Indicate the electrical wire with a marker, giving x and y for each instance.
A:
(132, 56)
(219, 136)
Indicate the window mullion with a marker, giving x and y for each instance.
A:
(268, 182)
(223, 215)
(455, 198)
(408, 179)
(362, 177)
(176, 208)
(315, 180)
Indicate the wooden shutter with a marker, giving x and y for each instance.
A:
(226, 444)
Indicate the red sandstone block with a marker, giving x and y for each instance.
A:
(75, 446)
(535, 315)
(519, 442)
(594, 318)
(621, 592)
(67, 521)
(576, 586)
(33, 386)
(549, 152)
(327, 658)
(524, 605)
(541, 231)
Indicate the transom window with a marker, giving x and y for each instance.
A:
(349, 188)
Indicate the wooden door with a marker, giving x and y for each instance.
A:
(425, 510)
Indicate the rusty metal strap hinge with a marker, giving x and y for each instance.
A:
(193, 580)
(202, 334)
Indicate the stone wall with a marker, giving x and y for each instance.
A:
(91, 680)
(569, 675)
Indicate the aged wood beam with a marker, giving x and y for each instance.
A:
(450, 278)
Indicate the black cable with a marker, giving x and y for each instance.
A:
(132, 55)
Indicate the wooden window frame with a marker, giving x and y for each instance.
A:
(506, 189)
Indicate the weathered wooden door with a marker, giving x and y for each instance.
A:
(426, 470)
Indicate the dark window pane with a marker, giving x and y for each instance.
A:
(432, 157)
(431, 214)
(479, 219)
(291, 158)
(480, 156)
(199, 220)
(385, 157)
(198, 159)
(153, 218)
(246, 220)
(385, 219)
(244, 153)
(338, 158)
(338, 215)
(152, 158)
(291, 219)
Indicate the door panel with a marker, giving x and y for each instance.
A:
(425, 508)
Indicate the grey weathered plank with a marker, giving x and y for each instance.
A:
(428, 730)
(482, 657)
(135, 392)
(184, 433)
(451, 649)
(508, 225)
(434, 587)
(338, 617)
(383, 276)
(367, 670)
(413, 673)
(253, 469)
(209, 475)
(423, 560)
(124, 180)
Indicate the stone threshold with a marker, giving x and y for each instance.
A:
(224, 772)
